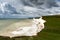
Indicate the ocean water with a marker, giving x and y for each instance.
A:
(13, 23)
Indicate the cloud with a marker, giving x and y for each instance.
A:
(28, 8)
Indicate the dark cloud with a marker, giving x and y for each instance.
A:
(28, 8)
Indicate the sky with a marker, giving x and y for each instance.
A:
(26, 8)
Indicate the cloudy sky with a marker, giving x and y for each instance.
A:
(28, 8)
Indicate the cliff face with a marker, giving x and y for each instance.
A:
(28, 8)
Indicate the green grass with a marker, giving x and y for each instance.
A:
(51, 31)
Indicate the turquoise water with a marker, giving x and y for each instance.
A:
(4, 23)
